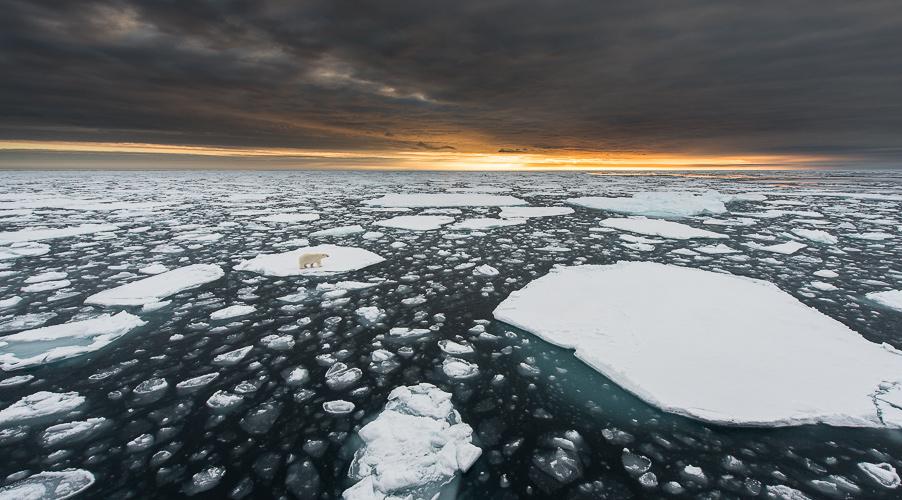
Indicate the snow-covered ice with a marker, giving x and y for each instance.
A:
(786, 248)
(658, 204)
(890, 298)
(232, 312)
(658, 227)
(413, 449)
(67, 340)
(416, 222)
(289, 218)
(40, 406)
(712, 346)
(422, 200)
(49, 485)
(338, 231)
(816, 235)
(52, 233)
(158, 287)
(341, 259)
(527, 212)
(485, 223)
(71, 432)
(883, 474)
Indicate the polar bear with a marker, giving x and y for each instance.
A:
(311, 260)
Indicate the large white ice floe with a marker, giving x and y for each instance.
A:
(413, 449)
(157, 287)
(659, 203)
(38, 234)
(420, 200)
(40, 406)
(340, 259)
(716, 347)
(63, 341)
(51, 485)
(658, 227)
(416, 222)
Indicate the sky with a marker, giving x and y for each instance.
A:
(486, 84)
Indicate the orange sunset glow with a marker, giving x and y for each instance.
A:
(439, 160)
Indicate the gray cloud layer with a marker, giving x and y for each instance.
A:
(797, 76)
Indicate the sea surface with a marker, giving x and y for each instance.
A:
(526, 392)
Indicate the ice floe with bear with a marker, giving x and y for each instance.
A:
(340, 260)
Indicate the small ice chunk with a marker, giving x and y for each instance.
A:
(338, 231)
(46, 286)
(890, 298)
(296, 376)
(232, 357)
(816, 235)
(204, 480)
(369, 314)
(195, 383)
(339, 376)
(787, 248)
(416, 222)
(232, 312)
(71, 432)
(454, 348)
(40, 406)
(485, 270)
(338, 407)
(289, 218)
(526, 212)
(10, 302)
(278, 342)
(658, 227)
(57, 485)
(48, 276)
(883, 474)
(224, 402)
(457, 368)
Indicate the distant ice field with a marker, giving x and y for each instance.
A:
(158, 337)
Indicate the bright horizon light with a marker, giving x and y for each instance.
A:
(437, 160)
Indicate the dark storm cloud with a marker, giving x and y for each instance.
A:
(808, 76)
